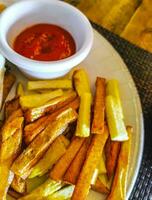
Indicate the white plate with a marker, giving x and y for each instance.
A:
(104, 61)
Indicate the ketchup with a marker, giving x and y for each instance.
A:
(45, 42)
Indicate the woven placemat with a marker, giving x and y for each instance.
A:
(139, 63)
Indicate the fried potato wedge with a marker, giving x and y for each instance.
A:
(64, 162)
(33, 129)
(30, 156)
(99, 107)
(20, 90)
(81, 81)
(54, 104)
(35, 100)
(9, 80)
(50, 84)
(55, 151)
(64, 193)
(100, 187)
(11, 106)
(119, 185)
(112, 149)
(44, 190)
(74, 169)
(90, 164)
(18, 184)
(83, 124)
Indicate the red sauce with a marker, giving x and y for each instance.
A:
(45, 42)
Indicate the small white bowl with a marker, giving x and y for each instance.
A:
(24, 14)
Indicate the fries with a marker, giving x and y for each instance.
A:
(30, 156)
(100, 187)
(101, 165)
(83, 124)
(54, 104)
(20, 90)
(33, 129)
(55, 151)
(50, 84)
(81, 81)
(74, 169)
(93, 155)
(44, 190)
(18, 184)
(112, 149)
(119, 185)
(62, 165)
(99, 107)
(35, 100)
(11, 106)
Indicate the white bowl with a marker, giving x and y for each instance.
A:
(30, 12)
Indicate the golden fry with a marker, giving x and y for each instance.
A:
(18, 184)
(99, 107)
(30, 156)
(33, 129)
(11, 106)
(100, 187)
(64, 162)
(74, 169)
(92, 159)
(20, 90)
(119, 185)
(54, 104)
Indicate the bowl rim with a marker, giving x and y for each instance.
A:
(58, 65)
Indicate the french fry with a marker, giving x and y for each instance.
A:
(99, 107)
(9, 80)
(30, 156)
(62, 165)
(44, 190)
(55, 151)
(36, 100)
(92, 159)
(11, 106)
(50, 84)
(81, 81)
(101, 165)
(100, 187)
(119, 185)
(10, 147)
(112, 149)
(20, 90)
(33, 129)
(83, 124)
(64, 193)
(74, 169)
(116, 124)
(18, 184)
(105, 180)
(54, 104)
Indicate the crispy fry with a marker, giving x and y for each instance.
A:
(112, 149)
(99, 107)
(20, 90)
(92, 158)
(33, 129)
(62, 165)
(55, 151)
(119, 185)
(11, 106)
(100, 187)
(81, 81)
(44, 190)
(105, 181)
(101, 165)
(74, 169)
(10, 148)
(62, 194)
(18, 184)
(30, 156)
(52, 84)
(36, 100)
(54, 104)
(9, 80)
(83, 124)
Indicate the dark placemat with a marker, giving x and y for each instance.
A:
(139, 63)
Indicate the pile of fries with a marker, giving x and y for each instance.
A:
(56, 131)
